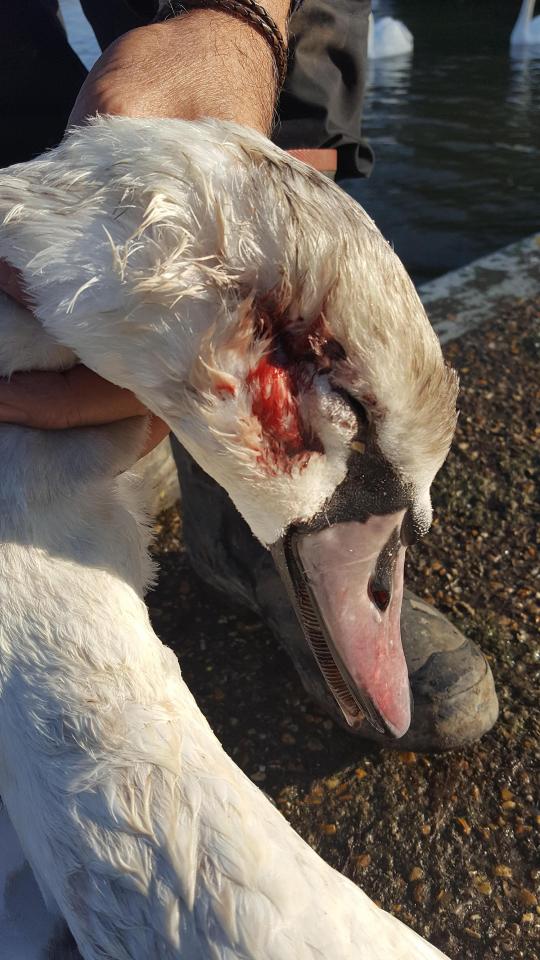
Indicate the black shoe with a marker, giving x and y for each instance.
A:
(452, 684)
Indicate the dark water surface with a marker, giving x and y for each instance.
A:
(455, 127)
(456, 131)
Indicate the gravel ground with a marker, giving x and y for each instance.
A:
(448, 843)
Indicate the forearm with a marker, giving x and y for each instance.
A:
(203, 63)
(231, 67)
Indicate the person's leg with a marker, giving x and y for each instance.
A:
(40, 77)
(109, 19)
(322, 101)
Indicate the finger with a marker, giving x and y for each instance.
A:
(57, 401)
(11, 282)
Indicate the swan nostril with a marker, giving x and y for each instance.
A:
(379, 595)
(415, 525)
(409, 534)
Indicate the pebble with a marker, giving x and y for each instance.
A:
(420, 892)
(407, 756)
(363, 860)
(527, 897)
(332, 782)
(329, 828)
(483, 886)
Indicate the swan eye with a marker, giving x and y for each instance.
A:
(359, 411)
(334, 351)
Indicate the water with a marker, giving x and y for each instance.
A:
(79, 31)
(455, 128)
(456, 132)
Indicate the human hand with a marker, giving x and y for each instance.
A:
(73, 398)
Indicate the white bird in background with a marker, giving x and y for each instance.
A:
(526, 32)
(254, 306)
(388, 37)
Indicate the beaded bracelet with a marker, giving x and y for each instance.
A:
(248, 10)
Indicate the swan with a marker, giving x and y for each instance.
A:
(255, 307)
(526, 30)
(388, 37)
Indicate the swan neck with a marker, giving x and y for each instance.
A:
(526, 13)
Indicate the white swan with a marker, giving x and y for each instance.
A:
(526, 32)
(252, 304)
(388, 37)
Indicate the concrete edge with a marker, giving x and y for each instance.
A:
(464, 298)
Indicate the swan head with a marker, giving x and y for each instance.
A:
(257, 309)
(319, 399)
(326, 424)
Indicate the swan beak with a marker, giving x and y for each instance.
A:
(346, 584)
